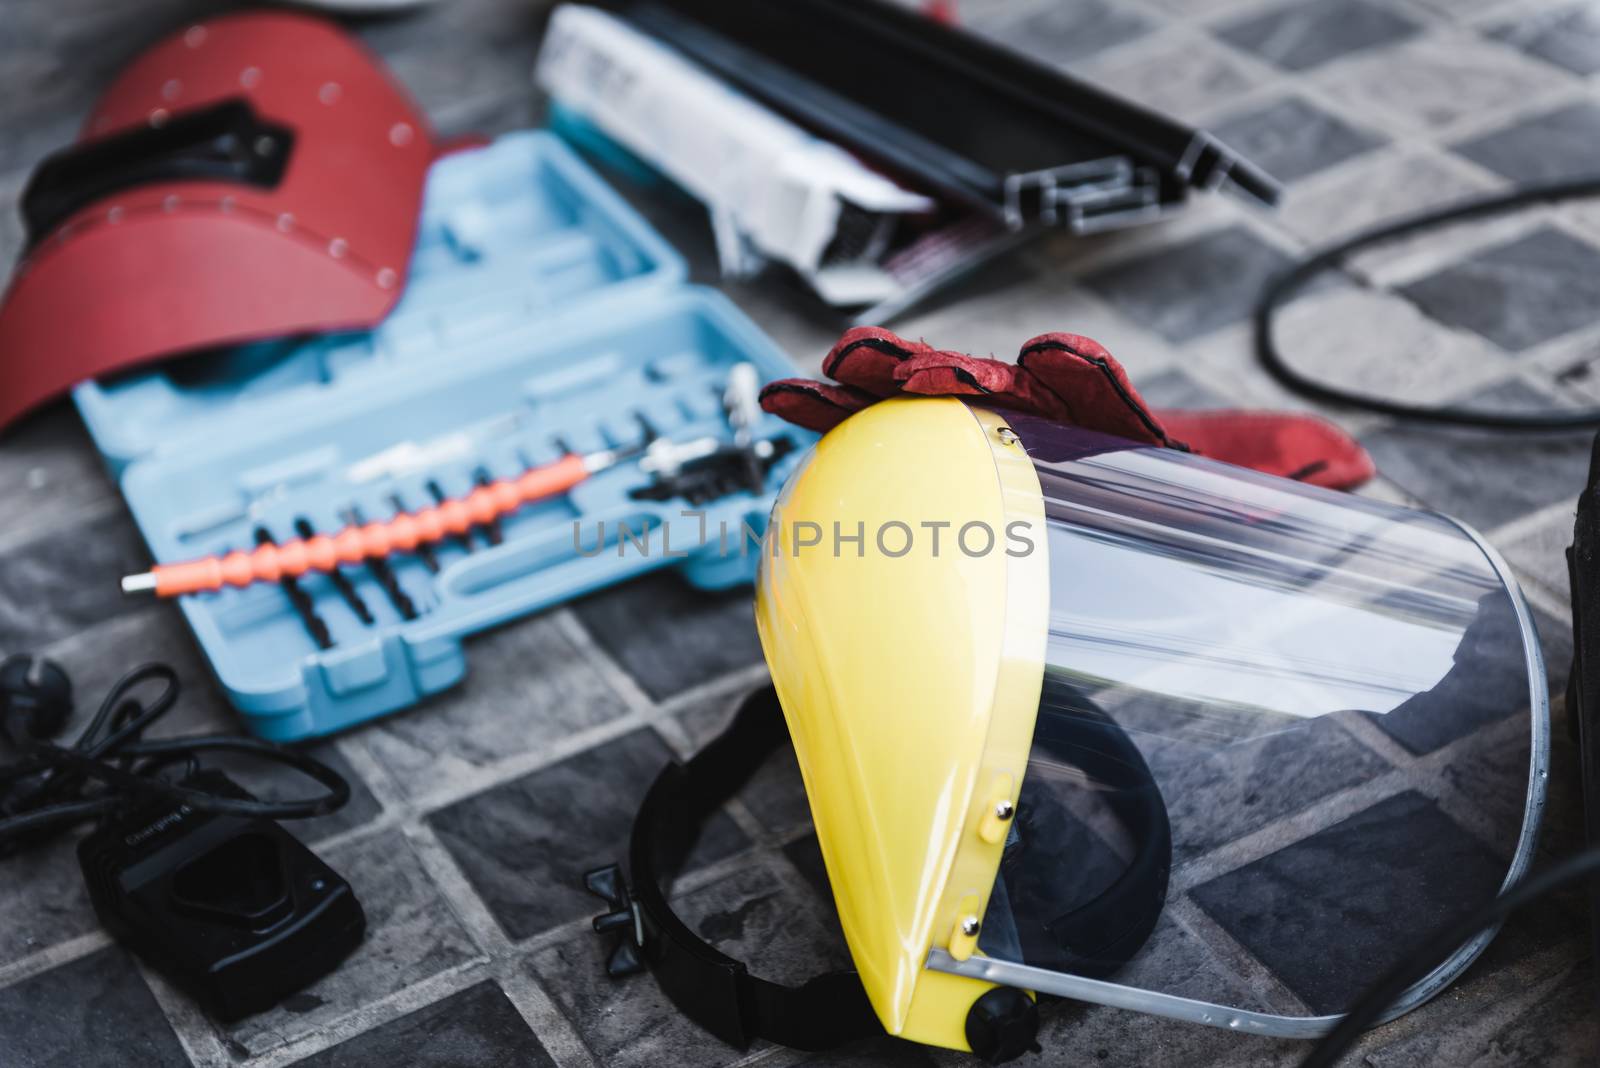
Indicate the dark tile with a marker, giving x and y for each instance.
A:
(1567, 36)
(1474, 476)
(67, 579)
(525, 845)
(94, 1012)
(478, 1026)
(1329, 912)
(1520, 293)
(750, 916)
(1194, 287)
(671, 637)
(775, 793)
(1308, 34)
(526, 689)
(412, 934)
(1558, 144)
(1062, 31)
(1216, 794)
(1291, 139)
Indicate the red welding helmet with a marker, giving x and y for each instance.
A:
(251, 176)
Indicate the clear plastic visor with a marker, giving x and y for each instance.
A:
(1284, 733)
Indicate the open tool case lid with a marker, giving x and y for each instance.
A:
(543, 316)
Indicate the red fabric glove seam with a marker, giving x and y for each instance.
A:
(877, 344)
(1105, 369)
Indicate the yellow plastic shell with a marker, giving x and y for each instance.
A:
(909, 670)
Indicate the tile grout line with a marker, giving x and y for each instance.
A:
(53, 956)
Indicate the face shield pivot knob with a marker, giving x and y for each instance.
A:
(608, 885)
(1003, 1025)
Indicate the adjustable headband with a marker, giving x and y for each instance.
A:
(1100, 935)
(721, 995)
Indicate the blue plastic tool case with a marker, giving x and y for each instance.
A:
(541, 314)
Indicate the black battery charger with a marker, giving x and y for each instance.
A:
(234, 910)
(184, 866)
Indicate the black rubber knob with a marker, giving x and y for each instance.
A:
(1003, 1025)
(36, 692)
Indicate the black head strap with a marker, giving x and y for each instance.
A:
(718, 992)
(1100, 935)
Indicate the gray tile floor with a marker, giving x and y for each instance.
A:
(459, 840)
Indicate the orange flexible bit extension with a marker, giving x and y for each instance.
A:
(357, 542)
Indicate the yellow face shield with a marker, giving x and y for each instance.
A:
(1081, 718)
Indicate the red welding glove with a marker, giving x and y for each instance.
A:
(1069, 379)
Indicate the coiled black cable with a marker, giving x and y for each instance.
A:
(111, 766)
(1287, 285)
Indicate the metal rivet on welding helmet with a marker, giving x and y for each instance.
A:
(1084, 718)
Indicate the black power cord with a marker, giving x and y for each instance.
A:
(1437, 949)
(112, 766)
(1284, 287)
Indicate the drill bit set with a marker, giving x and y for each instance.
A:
(698, 472)
(548, 411)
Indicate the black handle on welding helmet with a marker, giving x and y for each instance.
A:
(225, 142)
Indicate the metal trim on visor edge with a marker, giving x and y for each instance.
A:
(1171, 1006)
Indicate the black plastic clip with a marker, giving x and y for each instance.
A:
(608, 885)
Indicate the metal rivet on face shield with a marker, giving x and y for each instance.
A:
(1007, 436)
(1004, 810)
(970, 927)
